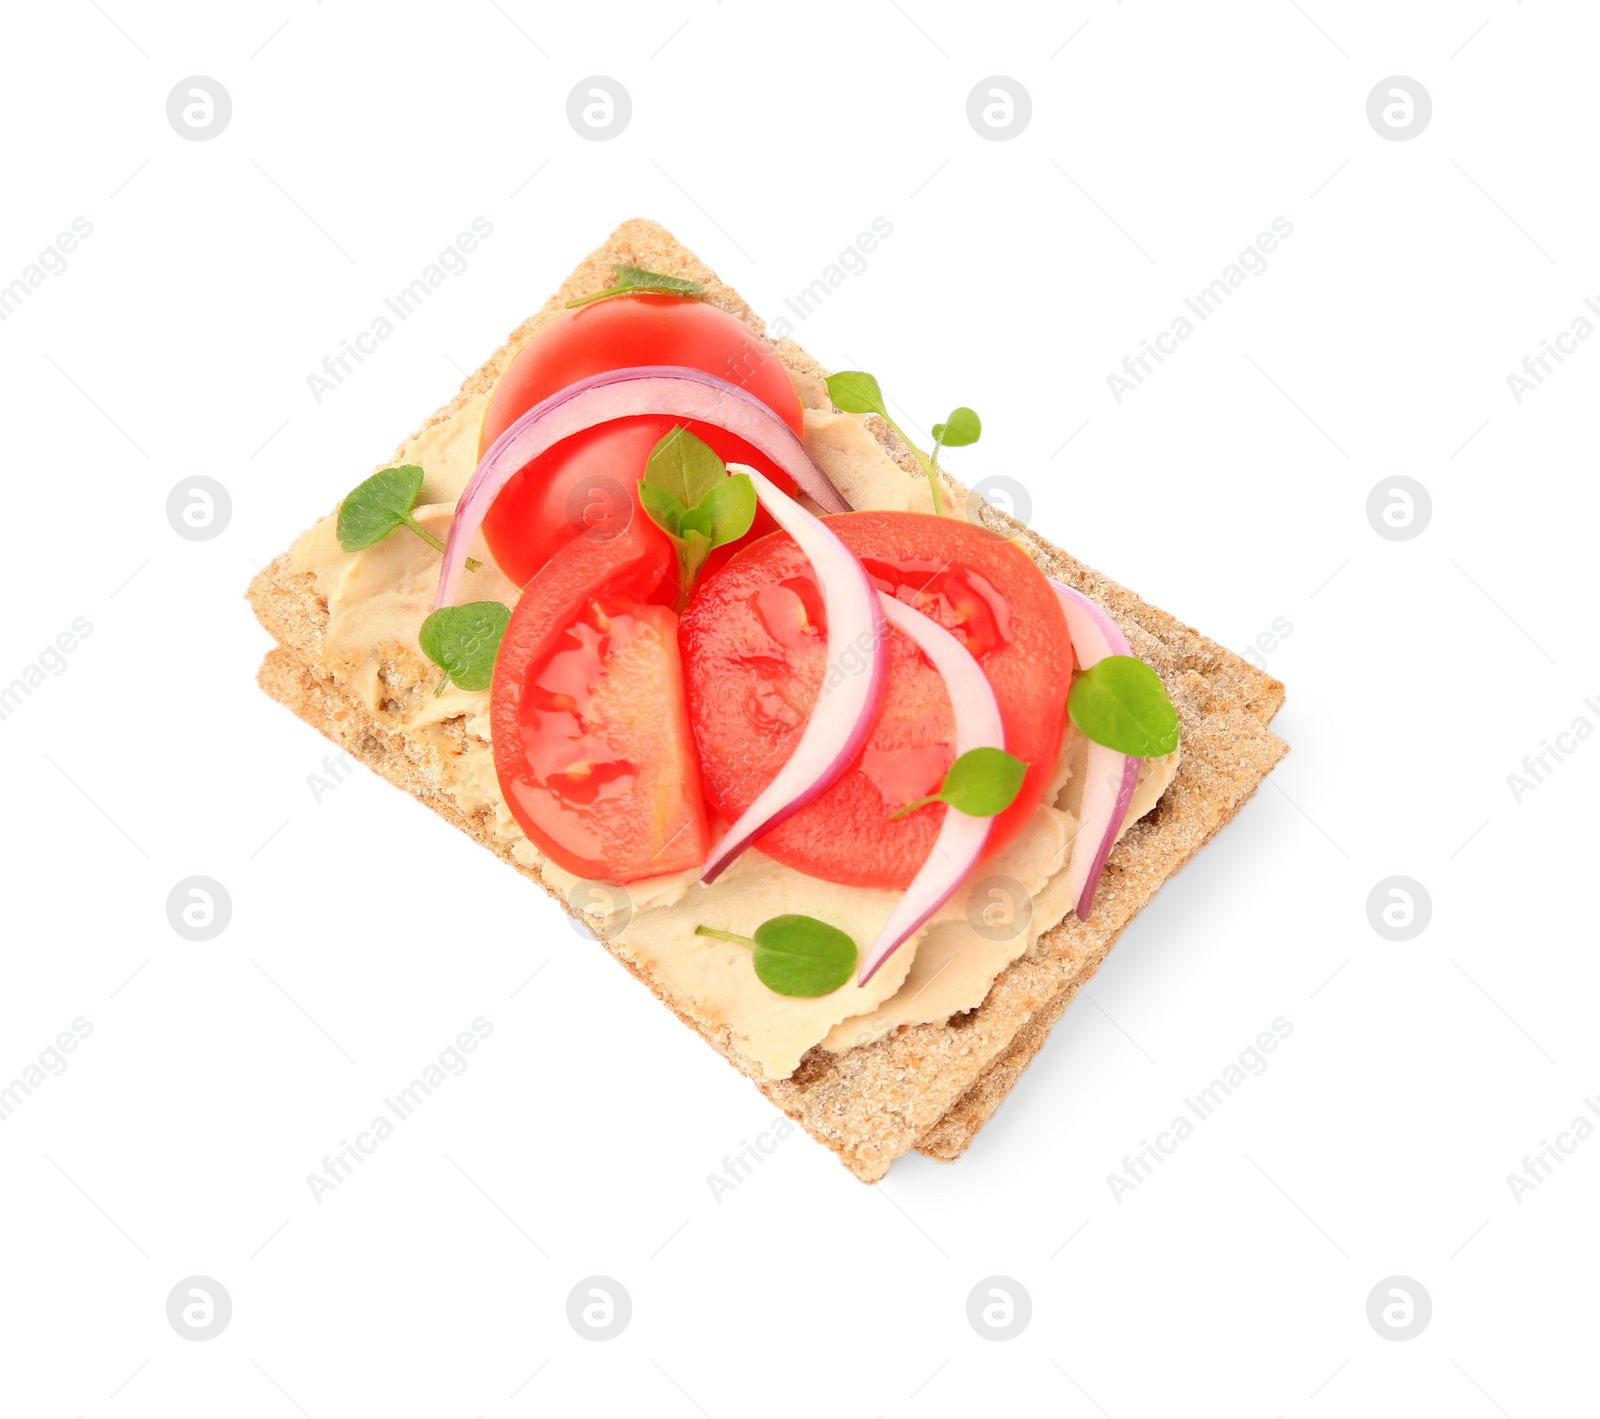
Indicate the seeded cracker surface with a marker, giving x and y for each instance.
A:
(929, 1087)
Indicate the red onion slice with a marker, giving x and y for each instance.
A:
(673, 390)
(847, 704)
(1109, 777)
(1107, 792)
(961, 838)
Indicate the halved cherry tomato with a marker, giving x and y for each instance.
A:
(591, 479)
(592, 745)
(754, 650)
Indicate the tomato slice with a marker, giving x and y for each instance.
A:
(590, 479)
(754, 646)
(592, 745)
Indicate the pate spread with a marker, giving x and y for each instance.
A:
(377, 599)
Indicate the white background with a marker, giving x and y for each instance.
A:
(1231, 489)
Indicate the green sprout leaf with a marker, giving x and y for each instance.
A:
(664, 509)
(373, 509)
(981, 783)
(696, 519)
(654, 280)
(796, 955)
(684, 466)
(961, 428)
(732, 508)
(1120, 702)
(463, 642)
(856, 392)
(690, 496)
(625, 279)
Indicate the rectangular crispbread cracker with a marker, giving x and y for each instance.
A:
(929, 1087)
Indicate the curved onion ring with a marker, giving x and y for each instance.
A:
(961, 838)
(847, 704)
(673, 390)
(1109, 777)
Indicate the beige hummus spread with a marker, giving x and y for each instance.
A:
(377, 600)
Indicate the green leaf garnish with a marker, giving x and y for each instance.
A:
(857, 392)
(684, 466)
(689, 494)
(654, 280)
(796, 955)
(961, 428)
(463, 642)
(373, 509)
(981, 783)
(1120, 702)
(664, 509)
(732, 508)
(635, 278)
(695, 519)
(376, 507)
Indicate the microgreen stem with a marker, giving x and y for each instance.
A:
(690, 561)
(623, 290)
(680, 603)
(472, 562)
(928, 465)
(724, 936)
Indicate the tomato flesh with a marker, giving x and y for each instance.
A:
(591, 479)
(592, 744)
(754, 643)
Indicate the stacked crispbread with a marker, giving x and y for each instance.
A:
(929, 1087)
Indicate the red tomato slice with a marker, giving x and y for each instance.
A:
(754, 647)
(593, 476)
(591, 735)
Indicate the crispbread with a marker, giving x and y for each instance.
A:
(927, 1086)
